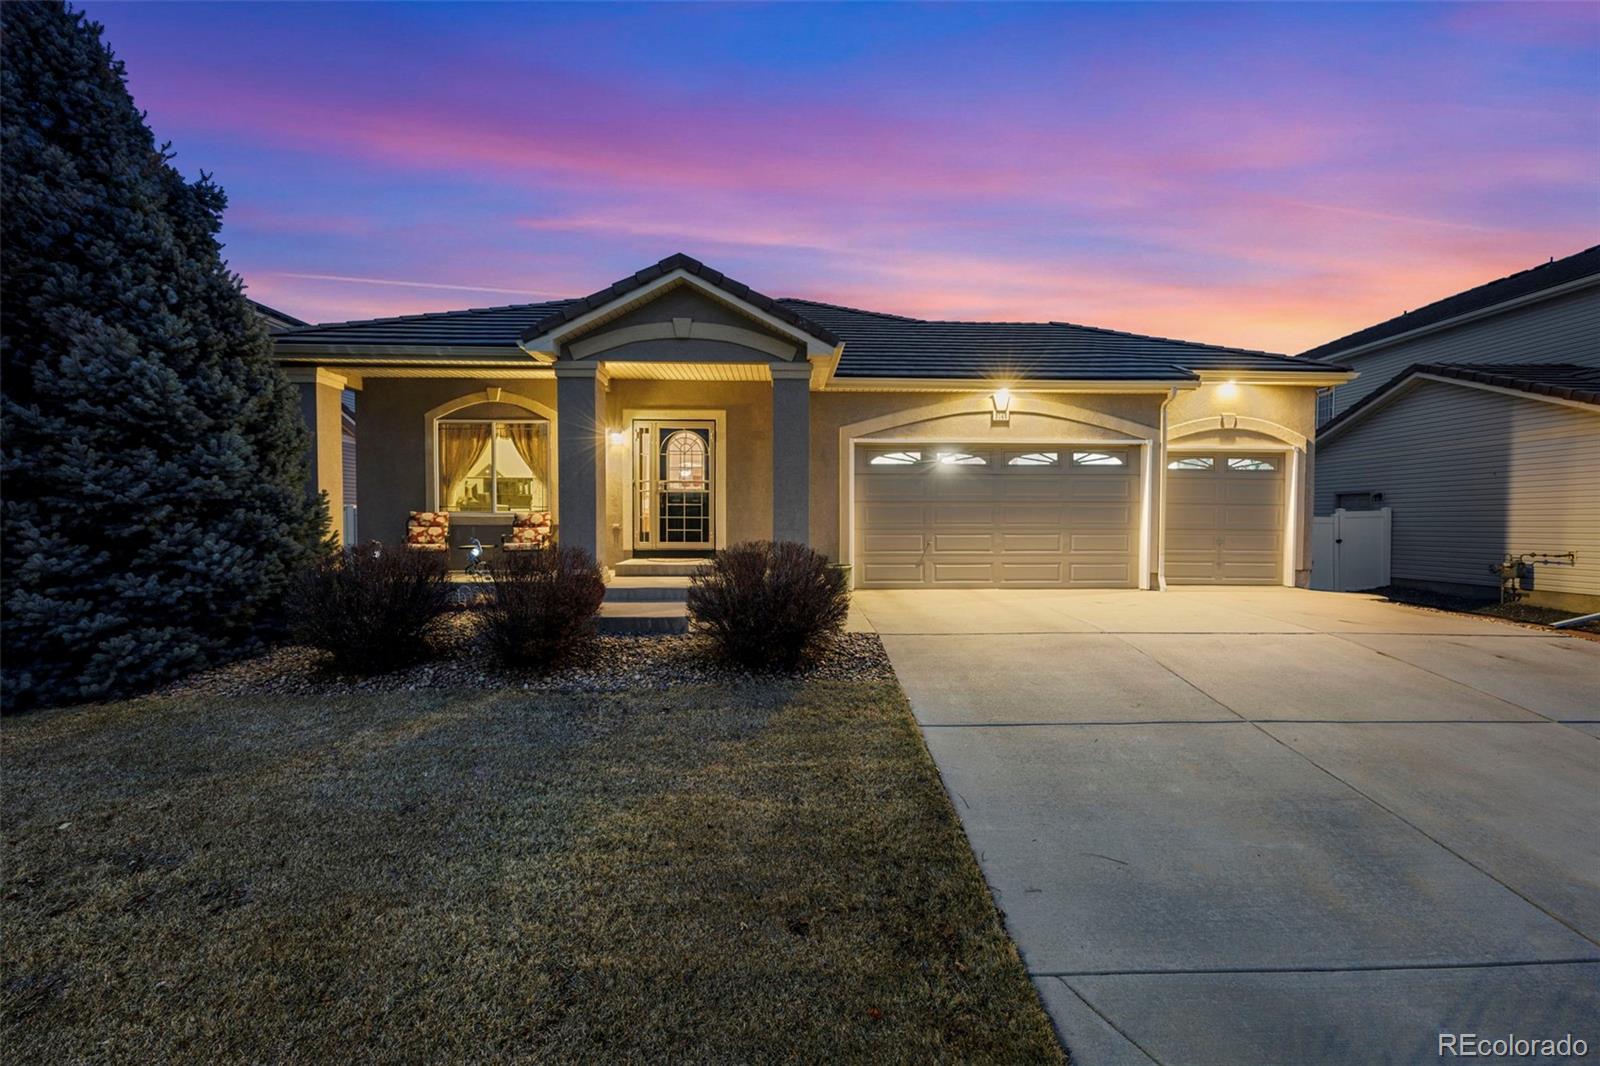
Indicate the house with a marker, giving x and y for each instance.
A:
(1476, 421)
(678, 411)
(276, 319)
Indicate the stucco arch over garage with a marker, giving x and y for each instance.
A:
(1223, 430)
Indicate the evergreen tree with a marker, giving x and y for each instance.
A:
(154, 459)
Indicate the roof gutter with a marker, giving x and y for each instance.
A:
(864, 384)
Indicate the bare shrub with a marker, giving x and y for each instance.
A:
(769, 604)
(371, 607)
(544, 605)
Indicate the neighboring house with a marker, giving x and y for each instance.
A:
(679, 411)
(1476, 421)
(347, 453)
(276, 320)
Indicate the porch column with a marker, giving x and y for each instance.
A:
(321, 397)
(791, 452)
(581, 456)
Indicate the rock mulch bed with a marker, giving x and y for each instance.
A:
(463, 661)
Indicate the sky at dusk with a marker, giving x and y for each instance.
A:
(1270, 176)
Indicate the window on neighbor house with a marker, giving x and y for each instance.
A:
(1357, 501)
(493, 465)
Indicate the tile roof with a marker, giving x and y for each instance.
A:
(894, 346)
(1566, 381)
(1524, 283)
(689, 265)
(490, 328)
(876, 344)
(276, 319)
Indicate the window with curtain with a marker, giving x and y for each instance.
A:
(494, 465)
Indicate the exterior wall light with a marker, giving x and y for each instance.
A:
(1001, 398)
(1228, 390)
(617, 438)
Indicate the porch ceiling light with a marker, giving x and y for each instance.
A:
(1001, 399)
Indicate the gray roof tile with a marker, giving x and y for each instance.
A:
(876, 344)
(894, 346)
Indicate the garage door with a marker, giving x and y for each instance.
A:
(968, 516)
(1224, 519)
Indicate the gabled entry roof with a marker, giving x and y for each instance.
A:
(576, 309)
(873, 346)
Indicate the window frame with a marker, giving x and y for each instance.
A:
(1119, 459)
(1265, 464)
(494, 467)
(1192, 463)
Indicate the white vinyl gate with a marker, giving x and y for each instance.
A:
(1350, 550)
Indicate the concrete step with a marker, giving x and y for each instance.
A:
(639, 619)
(658, 567)
(647, 590)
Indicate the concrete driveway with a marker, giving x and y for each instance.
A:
(1269, 825)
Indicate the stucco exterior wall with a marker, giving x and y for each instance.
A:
(391, 449)
(1294, 408)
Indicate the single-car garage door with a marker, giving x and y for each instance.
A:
(971, 516)
(1224, 519)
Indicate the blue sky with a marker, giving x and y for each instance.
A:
(1257, 174)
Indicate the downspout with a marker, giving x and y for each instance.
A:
(1159, 521)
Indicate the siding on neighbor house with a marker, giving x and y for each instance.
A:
(1565, 329)
(1470, 475)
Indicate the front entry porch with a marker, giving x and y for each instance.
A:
(654, 467)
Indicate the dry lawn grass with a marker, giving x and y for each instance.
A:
(745, 873)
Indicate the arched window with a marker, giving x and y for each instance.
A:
(683, 462)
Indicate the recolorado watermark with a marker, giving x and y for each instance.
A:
(1511, 1046)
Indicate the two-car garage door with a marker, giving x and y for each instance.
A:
(1060, 516)
(964, 516)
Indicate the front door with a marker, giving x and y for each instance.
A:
(673, 484)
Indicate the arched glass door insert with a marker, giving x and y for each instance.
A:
(674, 485)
